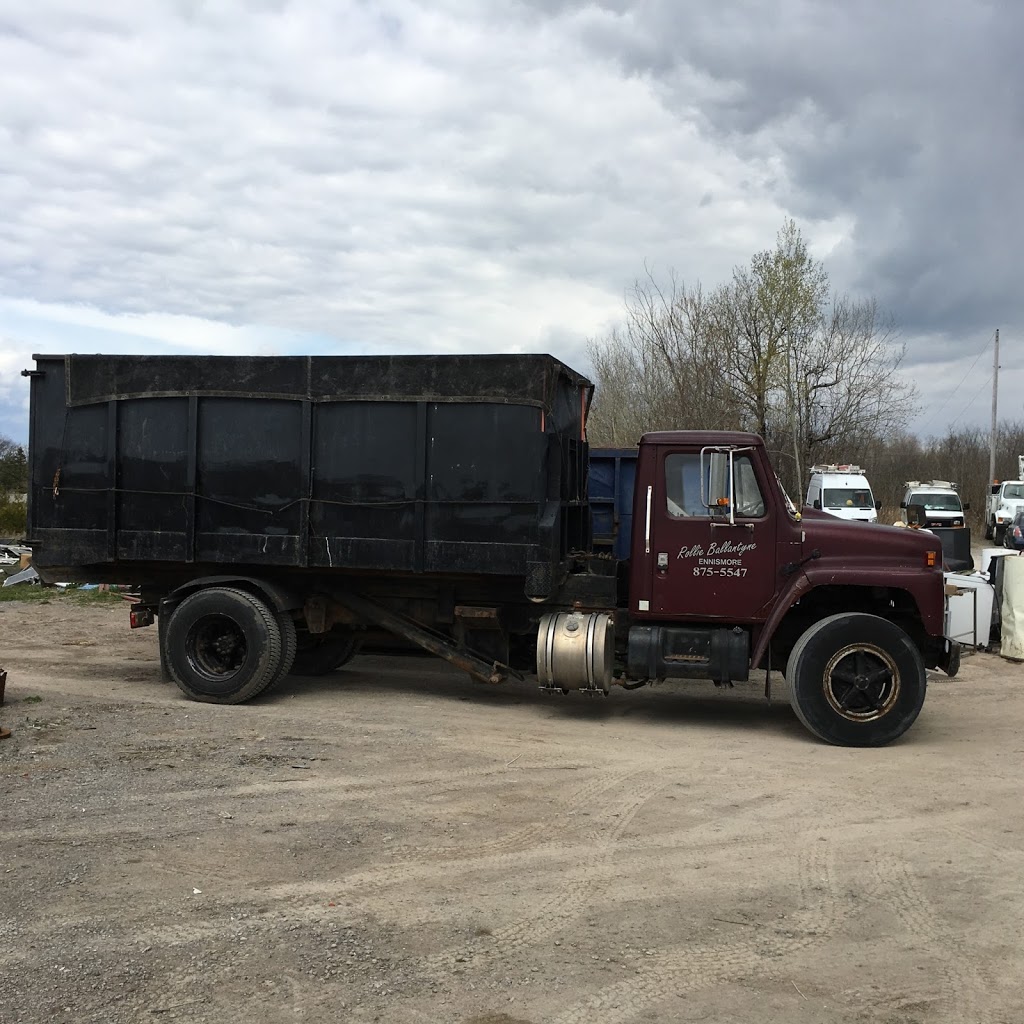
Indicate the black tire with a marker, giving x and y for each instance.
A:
(856, 680)
(318, 655)
(999, 534)
(224, 646)
(289, 647)
(989, 524)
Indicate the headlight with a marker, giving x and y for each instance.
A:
(958, 522)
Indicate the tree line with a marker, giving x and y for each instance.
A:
(13, 484)
(776, 351)
(961, 456)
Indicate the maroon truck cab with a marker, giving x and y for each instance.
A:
(726, 576)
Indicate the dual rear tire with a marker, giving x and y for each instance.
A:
(223, 645)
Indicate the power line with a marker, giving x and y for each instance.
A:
(952, 394)
(984, 385)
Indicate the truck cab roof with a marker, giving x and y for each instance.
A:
(716, 438)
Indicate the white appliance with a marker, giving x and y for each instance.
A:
(969, 610)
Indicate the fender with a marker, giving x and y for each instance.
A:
(798, 585)
(279, 598)
(913, 581)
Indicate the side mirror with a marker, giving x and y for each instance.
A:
(967, 506)
(878, 506)
(817, 504)
(903, 504)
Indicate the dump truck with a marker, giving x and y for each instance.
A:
(272, 514)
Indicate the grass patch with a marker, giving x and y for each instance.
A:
(47, 595)
(27, 592)
(93, 596)
(34, 699)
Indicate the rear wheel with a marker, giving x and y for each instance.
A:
(318, 655)
(856, 680)
(224, 646)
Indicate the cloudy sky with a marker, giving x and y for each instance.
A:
(467, 175)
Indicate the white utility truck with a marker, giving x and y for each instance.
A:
(842, 491)
(1005, 501)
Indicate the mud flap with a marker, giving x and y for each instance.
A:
(949, 660)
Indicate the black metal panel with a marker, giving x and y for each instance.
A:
(365, 485)
(486, 487)
(153, 489)
(248, 488)
(70, 473)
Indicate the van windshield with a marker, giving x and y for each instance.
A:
(844, 497)
(936, 502)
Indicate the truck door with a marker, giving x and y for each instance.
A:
(713, 535)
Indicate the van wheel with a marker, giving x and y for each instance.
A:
(322, 654)
(856, 680)
(224, 646)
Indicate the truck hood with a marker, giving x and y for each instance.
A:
(851, 544)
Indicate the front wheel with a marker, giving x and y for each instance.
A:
(989, 527)
(999, 535)
(856, 680)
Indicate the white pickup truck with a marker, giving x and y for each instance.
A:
(1005, 501)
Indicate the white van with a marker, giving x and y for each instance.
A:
(939, 499)
(843, 492)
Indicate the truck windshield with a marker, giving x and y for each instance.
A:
(936, 502)
(1013, 491)
(843, 497)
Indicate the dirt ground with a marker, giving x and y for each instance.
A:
(395, 843)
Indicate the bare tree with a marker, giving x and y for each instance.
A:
(658, 370)
(770, 351)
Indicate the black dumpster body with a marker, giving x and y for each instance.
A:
(152, 470)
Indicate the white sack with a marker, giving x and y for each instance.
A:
(1013, 608)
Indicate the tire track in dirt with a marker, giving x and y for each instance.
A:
(551, 915)
(534, 840)
(754, 955)
(897, 889)
(329, 791)
(291, 901)
(1001, 848)
(527, 835)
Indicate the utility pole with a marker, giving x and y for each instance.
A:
(995, 398)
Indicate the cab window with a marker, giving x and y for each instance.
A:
(684, 495)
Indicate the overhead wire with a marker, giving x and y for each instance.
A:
(984, 384)
(952, 394)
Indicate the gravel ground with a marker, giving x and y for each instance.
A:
(396, 843)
